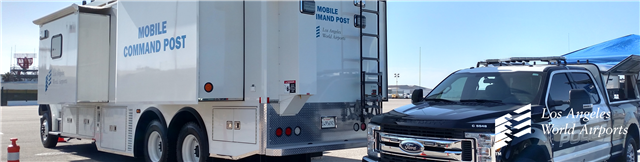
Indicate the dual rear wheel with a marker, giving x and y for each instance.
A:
(190, 146)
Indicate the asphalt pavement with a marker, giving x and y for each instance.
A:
(23, 122)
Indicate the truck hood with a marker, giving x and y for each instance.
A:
(457, 116)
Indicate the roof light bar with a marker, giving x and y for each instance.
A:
(521, 61)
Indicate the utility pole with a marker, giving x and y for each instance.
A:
(397, 75)
(420, 68)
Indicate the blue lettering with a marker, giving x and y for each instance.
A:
(172, 43)
(141, 48)
(153, 31)
(164, 27)
(135, 50)
(157, 45)
(140, 32)
(152, 47)
(166, 43)
(178, 42)
(146, 49)
(184, 41)
(125, 52)
(146, 31)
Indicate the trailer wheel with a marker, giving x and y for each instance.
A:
(156, 144)
(48, 141)
(190, 146)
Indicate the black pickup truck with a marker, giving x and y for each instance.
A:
(517, 109)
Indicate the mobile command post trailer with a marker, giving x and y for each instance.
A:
(188, 80)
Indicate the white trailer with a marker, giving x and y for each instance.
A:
(189, 80)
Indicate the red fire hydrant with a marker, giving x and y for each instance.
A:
(13, 151)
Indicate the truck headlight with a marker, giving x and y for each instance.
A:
(372, 143)
(484, 143)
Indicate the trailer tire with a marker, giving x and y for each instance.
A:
(190, 145)
(629, 154)
(48, 140)
(156, 139)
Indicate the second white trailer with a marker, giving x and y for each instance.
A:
(188, 80)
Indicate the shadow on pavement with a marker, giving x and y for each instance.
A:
(90, 151)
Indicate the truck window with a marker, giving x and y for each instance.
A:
(583, 81)
(56, 46)
(454, 92)
(620, 89)
(559, 90)
(495, 87)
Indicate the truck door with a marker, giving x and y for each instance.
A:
(558, 89)
(594, 144)
(574, 138)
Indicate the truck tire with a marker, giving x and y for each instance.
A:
(156, 144)
(191, 146)
(48, 141)
(629, 154)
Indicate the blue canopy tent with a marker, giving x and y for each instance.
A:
(616, 54)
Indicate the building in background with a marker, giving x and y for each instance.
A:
(405, 91)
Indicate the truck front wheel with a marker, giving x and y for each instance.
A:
(156, 146)
(191, 145)
(48, 140)
(630, 150)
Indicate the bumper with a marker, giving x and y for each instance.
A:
(295, 149)
(368, 159)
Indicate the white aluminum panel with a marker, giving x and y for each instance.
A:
(383, 49)
(220, 119)
(221, 53)
(69, 120)
(113, 128)
(57, 79)
(93, 56)
(247, 131)
(86, 121)
(167, 72)
(338, 50)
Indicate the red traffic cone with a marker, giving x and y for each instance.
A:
(60, 139)
(13, 151)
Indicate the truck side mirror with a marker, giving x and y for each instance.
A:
(578, 98)
(416, 96)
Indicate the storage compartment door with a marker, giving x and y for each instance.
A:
(222, 125)
(93, 58)
(244, 125)
(86, 122)
(69, 120)
(113, 128)
(221, 50)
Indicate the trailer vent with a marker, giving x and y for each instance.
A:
(130, 130)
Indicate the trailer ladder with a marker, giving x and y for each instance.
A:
(370, 104)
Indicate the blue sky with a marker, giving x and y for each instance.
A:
(452, 35)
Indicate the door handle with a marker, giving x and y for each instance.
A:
(584, 120)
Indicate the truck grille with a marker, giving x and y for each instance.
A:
(434, 149)
(422, 131)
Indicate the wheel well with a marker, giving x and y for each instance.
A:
(533, 150)
(147, 116)
(182, 117)
(633, 131)
(42, 109)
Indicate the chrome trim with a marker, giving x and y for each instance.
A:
(262, 110)
(423, 158)
(448, 155)
(453, 147)
(301, 149)
(367, 159)
(455, 144)
(117, 152)
(233, 157)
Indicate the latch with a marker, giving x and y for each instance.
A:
(86, 121)
(69, 120)
(237, 125)
(229, 125)
(112, 128)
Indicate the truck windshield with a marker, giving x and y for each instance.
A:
(503, 87)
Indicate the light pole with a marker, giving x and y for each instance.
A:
(397, 75)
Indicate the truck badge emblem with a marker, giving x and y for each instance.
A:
(411, 146)
(502, 122)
